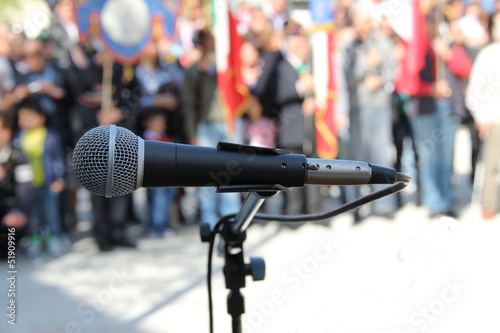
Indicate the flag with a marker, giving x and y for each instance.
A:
(323, 41)
(126, 26)
(409, 24)
(326, 133)
(416, 47)
(233, 91)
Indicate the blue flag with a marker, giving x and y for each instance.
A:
(126, 26)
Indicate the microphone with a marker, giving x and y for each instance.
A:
(112, 161)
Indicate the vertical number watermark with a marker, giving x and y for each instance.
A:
(11, 276)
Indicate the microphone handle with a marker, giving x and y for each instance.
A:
(173, 164)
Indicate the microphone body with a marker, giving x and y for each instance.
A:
(112, 161)
(174, 164)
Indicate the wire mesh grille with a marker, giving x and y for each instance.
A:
(90, 161)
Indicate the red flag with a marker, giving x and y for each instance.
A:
(326, 133)
(415, 48)
(233, 91)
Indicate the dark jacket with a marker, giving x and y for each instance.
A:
(457, 69)
(8, 199)
(295, 130)
(86, 86)
(267, 84)
(200, 99)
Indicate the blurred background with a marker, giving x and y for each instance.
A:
(409, 84)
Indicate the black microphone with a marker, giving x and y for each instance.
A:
(112, 161)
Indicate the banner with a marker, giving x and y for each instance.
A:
(321, 12)
(233, 91)
(126, 26)
(323, 46)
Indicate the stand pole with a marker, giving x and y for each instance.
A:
(235, 269)
(250, 206)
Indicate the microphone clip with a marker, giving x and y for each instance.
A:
(252, 188)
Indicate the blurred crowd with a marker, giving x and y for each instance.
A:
(54, 88)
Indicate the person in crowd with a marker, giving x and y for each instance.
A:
(296, 106)
(12, 218)
(483, 99)
(251, 63)
(457, 41)
(160, 85)
(62, 35)
(475, 34)
(169, 57)
(16, 54)
(342, 17)
(194, 19)
(406, 157)
(452, 10)
(160, 199)
(262, 32)
(205, 126)
(44, 82)
(7, 80)
(60, 41)
(170, 63)
(258, 130)
(268, 43)
(277, 12)
(41, 172)
(260, 56)
(110, 215)
(369, 68)
(435, 112)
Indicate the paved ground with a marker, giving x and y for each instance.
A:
(408, 275)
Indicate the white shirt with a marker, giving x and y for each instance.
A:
(483, 92)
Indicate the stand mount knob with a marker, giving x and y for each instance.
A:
(256, 268)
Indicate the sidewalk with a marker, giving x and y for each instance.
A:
(407, 275)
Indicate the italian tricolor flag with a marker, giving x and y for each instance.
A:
(234, 93)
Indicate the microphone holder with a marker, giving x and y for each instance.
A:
(233, 233)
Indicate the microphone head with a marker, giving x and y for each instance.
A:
(105, 160)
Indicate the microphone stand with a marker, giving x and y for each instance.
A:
(232, 229)
(235, 269)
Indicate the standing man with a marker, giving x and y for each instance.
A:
(435, 111)
(369, 71)
(110, 215)
(483, 99)
(296, 107)
(205, 125)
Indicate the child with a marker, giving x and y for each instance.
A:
(160, 199)
(40, 174)
(258, 130)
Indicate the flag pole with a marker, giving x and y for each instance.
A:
(107, 83)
